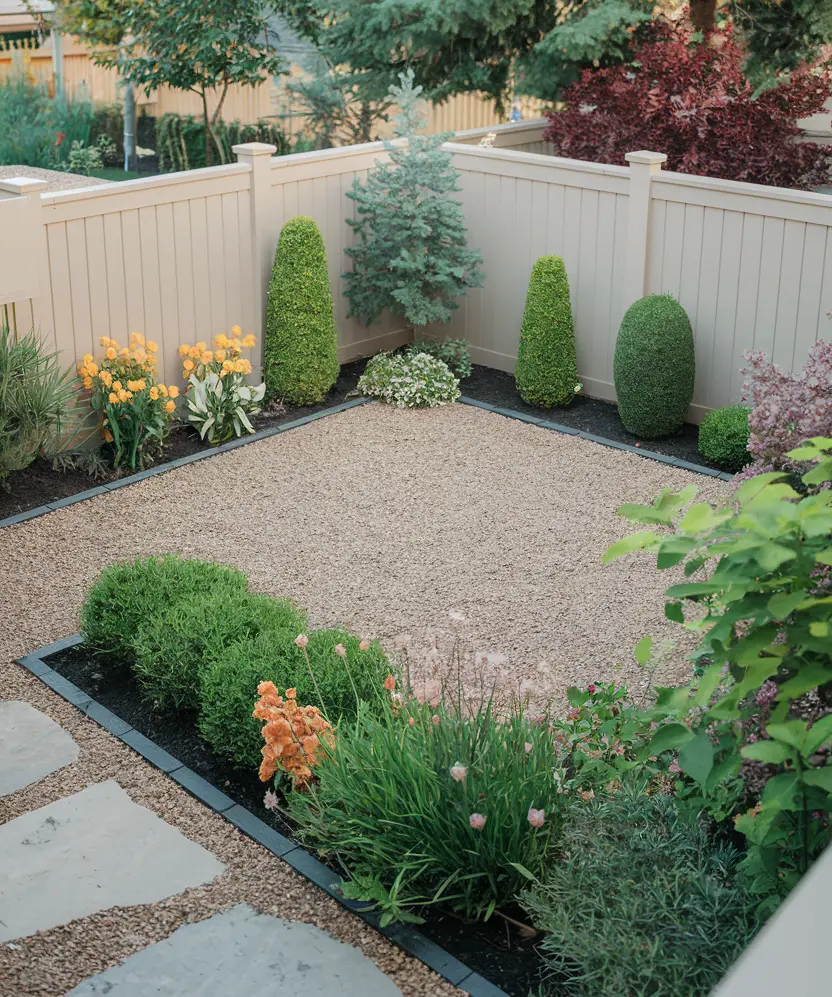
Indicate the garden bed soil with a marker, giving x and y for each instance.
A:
(41, 483)
(588, 414)
(495, 949)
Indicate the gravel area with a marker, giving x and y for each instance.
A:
(421, 528)
(56, 179)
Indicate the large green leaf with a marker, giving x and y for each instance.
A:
(696, 757)
(770, 752)
(643, 650)
(785, 603)
(635, 541)
(668, 738)
(780, 790)
(819, 733)
(820, 777)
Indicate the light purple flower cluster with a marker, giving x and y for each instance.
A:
(786, 409)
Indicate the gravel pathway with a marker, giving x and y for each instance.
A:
(441, 525)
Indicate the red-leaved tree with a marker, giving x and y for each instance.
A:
(692, 102)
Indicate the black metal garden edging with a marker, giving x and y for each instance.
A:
(544, 423)
(209, 452)
(407, 938)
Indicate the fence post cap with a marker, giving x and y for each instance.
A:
(23, 185)
(254, 149)
(646, 158)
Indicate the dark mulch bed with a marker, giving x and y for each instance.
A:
(589, 414)
(494, 949)
(41, 483)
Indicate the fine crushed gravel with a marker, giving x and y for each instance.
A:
(57, 179)
(391, 522)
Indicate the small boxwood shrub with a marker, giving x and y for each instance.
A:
(230, 680)
(641, 900)
(409, 381)
(723, 437)
(175, 646)
(301, 350)
(456, 353)
(129, 594)
(547, 366)
(654, 366)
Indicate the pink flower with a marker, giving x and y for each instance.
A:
(412, 722)
(537, 818)
(340, 650)
(593, 688)
(301, 640)
(389, 683)
(528, 746)
(435, 720)
(458, 772)
(270, 800)
(674, 768)
(364, 645)
(477, 821)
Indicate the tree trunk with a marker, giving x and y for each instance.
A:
(703, 15)
(215, 118)
(209, 152)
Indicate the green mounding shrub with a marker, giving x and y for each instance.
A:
(230, 680)
(301, 350)
(130, 594)
(454, 353)
(175, 646)
(410, 831)
(654, 366)
(723, 437)
(640, 901)
(547, 366)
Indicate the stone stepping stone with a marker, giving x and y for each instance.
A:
(88, 852)
(239, 953)
(32, 746)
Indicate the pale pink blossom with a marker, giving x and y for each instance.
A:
(435, 720)
(301, 640)
(270, 800)
(458, 772)
(364, 645)
(674, 767)
(340, 650)
(390, 683)
(537, 818)
(477, 821)
(528, 746)
(412, 722)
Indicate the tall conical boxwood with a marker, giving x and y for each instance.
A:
(547, 367)
(654, 366)
(301, 350)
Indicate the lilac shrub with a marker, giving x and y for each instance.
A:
(786, 409)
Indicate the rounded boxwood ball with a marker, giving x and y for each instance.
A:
(723, 437)
(654, 366)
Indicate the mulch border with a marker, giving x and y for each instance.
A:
(407, 938)
(542, 423)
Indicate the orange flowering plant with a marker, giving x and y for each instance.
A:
(219, 399)
(134, 408)
(295, 735)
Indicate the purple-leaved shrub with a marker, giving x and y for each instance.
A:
(786, 409)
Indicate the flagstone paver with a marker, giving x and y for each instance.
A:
(242, 952)
(87, 852)
(32, 746)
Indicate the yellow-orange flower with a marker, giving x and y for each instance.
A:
(112, 398)
(124, 351)
(163, 391)
(88, 358)
(194, 352)
(184, 350)
(219, 355)
(92, 369)
(188, 365)
(248, 340)
(108, 436)
(294, 735)
(152, 347)
(201, 346)
(207, 356)
(88, 383)
(123, 395)
(106, 378)
(111, 353)
(116, 385)
(136, 339)
(173, 391)
(221, 340)
(154, 392)
(141, 384)
(105, 341)
(236, 330)
(170, 405)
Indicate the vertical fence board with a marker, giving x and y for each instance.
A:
(131, 250)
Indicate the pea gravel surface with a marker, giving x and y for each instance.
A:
(432, 530)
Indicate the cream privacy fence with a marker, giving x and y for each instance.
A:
(184, 256)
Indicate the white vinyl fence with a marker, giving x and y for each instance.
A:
(184, 256)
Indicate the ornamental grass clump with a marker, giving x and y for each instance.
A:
(423, 804)
(134, 408)
(409, 381)
(219, 401)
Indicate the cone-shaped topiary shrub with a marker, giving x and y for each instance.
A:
(654, 366)
(723, 437)
(301, 351)
(547, 369)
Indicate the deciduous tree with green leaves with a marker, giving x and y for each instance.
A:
(183, 44)
(411, 254)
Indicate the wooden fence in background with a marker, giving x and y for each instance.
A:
(185, 256)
